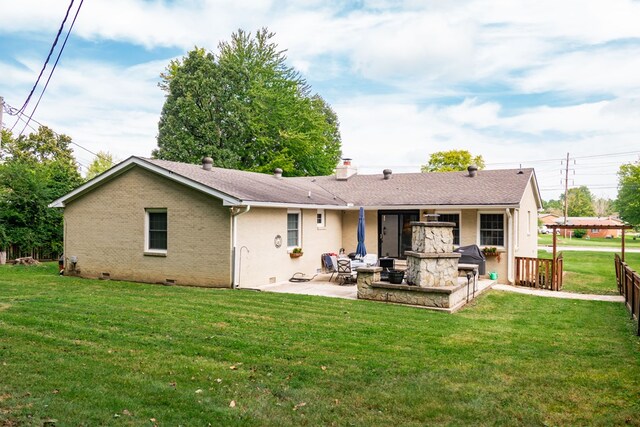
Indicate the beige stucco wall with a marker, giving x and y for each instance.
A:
(527, 243)
(260, 262)
(350, 230)
(105, 229)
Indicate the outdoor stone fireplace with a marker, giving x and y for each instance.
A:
(431, 278)
(431, 260)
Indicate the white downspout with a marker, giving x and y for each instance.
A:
(510, 243)
(234, 243)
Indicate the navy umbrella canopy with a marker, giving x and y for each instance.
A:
(361, 249)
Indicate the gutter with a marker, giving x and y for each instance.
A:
(510, 249)
(235, 269)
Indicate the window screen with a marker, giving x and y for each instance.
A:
(492, 229)
(293, 229)
(158, 230)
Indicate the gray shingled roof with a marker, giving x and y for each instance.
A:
(252, 186)
(488, 187)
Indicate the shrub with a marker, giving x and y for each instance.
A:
(579, 233)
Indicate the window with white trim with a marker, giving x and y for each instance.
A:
(320, 218)
(528, 223)
(293, 229)
(455, 218)
(491, 229)
(156, 227)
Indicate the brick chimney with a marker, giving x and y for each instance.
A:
(345, 170)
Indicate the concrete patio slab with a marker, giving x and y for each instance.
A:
(319, 286)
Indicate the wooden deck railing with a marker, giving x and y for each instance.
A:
(539, 273)
(629, 286)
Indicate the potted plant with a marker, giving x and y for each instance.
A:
(296, 253)
(396, 276)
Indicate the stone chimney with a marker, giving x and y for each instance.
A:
(277, 173)
(207, 163)
(387, 173)
(473, 170)
(345, 170)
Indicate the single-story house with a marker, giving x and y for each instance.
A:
(159, 221)
(591, 223)
(547, 218)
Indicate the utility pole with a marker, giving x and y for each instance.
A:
(566, 189)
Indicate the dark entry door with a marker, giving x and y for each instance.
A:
(395, 232)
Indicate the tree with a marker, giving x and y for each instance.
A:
(555, 207)
(452, 160)
(628, 202)
(602, 206)
(579, 202)
(247, 109)
(36, 170)
(102, 162)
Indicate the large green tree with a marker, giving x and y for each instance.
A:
(35, 170)
(628, 202)
(579, 202)
(101, 163)
(452, 160)
(245, 108)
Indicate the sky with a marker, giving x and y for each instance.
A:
(521, 83)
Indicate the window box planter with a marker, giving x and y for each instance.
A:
(296, 253)
(491, 252)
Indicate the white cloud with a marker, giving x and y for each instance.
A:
(477, 51)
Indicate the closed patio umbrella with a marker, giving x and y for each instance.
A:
(361, 249)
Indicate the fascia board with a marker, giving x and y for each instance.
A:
(136, 161)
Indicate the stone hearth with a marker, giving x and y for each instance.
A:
(432, 273)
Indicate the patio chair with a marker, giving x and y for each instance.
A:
(328, 265)
(344, 271)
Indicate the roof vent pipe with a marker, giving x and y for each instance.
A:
(277, 172)
(473, 170)
(387, 173)
(207, 163)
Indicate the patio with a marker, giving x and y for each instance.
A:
(321, 286)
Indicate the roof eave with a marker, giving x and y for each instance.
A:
(129, 164)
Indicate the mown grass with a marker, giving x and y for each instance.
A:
(88, 352)
(591, 272)
(629, 241)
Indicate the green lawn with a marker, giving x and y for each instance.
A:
(89, 352)
(591, 272)
(629, 242)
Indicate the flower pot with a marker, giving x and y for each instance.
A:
(295, 254)
(396, 276)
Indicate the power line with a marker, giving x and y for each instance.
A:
(56, 63)
(20, 117)
(55, 41)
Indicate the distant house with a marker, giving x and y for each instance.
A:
(593, 222)
(159, 221)
(547, 218)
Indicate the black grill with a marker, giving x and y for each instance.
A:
(472, 255)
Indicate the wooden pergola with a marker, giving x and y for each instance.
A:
(555, 227)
